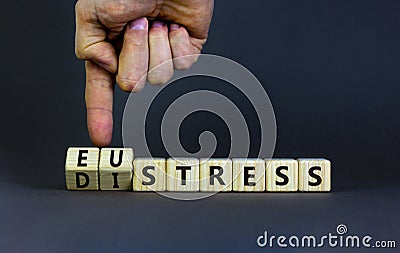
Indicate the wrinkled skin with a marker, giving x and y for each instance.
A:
(121, 40)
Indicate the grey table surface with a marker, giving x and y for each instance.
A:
(331, 71)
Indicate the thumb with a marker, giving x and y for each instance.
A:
(90, 40)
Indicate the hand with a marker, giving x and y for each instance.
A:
(120, 40)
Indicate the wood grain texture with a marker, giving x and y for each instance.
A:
(81, 168)
(282, 175)
(314, 175)
(177, 168)
(149, 174)
(115, 169)
(215, 175)
(248, 175)
(89, 168)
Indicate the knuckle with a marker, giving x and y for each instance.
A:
(94, 53)
(99, 54)
(128, 83)
(116, 8)
(78, 6)
(83, 53)
(137, 88)
(79, 53)
(81, 10)
(182, 64)
(158, 78)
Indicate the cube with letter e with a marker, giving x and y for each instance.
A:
(81, 168)
(248, 175)
(115, 169)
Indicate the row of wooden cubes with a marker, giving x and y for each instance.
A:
(116, 169)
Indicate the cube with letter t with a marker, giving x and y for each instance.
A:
(81, 168)
(183, 174)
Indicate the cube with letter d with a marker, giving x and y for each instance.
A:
(115, 169)
(81, 168)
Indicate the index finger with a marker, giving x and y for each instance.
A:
(99, 103)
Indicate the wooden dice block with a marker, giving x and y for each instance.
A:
(282, 175)
(248, 175)
(81, 169)
(149, 174)
(314, 175)
(215, 175)
(183, 174)
(115, 168)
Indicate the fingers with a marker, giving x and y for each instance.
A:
(160, 52)
(90, 40)
(99, 102)
(134, 57)
(182, 49)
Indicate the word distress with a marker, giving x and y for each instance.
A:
(116, 169)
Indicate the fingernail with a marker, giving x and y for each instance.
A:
(138, 24)
(157, 24)
(174, 27)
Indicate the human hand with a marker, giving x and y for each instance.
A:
(115, 40)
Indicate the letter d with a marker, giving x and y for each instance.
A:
(78, 180)
(260, 239)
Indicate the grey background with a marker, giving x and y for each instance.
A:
(331, 71)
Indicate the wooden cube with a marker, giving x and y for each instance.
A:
(149, 174)
(248, 175)
(115, 168)
(314, 175)
(183, 174)
(81, 169)
(282, 175)
(215, 175)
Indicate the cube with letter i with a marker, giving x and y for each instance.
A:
(115, 168)
(81, 169)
